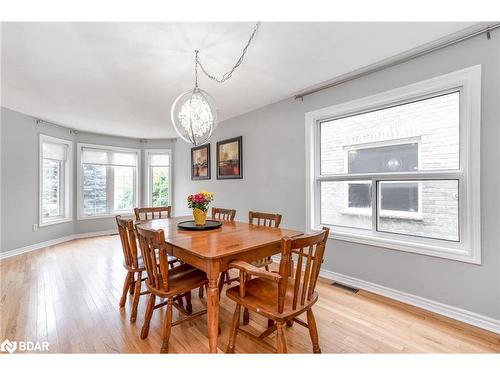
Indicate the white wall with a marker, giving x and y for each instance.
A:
(274, 180)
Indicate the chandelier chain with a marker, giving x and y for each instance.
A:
(228, 74)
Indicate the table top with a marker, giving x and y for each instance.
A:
(232, 238)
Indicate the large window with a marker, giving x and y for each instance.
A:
(108, 181)
(55, 180)
(401, 169)
(158, 177)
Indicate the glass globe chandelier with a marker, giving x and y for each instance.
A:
(194, 112)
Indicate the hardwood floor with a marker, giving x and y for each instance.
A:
(68, 295)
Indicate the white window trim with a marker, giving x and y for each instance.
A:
(468, 81)
(68, 182)
(383, 213)
(137, 195)
(147, 156)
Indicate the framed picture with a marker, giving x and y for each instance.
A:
(200, 162)
(229, 159)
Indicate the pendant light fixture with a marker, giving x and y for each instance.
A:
(194, 112)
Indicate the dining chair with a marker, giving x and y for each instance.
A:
(224, 214)
(166, 282)
(133, 263)
(267, 220)
(283, 296)
(149, 213)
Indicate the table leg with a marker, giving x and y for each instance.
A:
(213, 313)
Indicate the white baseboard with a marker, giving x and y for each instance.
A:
(456, 313)
(41, 245)
(96, 234)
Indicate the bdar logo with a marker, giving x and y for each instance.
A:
(8, 346)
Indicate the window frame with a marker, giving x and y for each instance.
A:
(468, 249)
(149, 176)
(65, 182)
(110, 200)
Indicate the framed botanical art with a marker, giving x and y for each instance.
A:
(230, 159)
(200, 162)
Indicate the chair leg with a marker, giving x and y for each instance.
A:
(189, 306)
(148, 315)
(132, 283)
(167, 326)
(234, 329)
(200, 292)
(179, 300)
(223, 277)
(313, 331)
(137, 294)
(281, 338)
(246, 316)
(126, 286)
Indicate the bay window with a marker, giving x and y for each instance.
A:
(158, 178)
(55, 180)
(400, 169)
(108, 182)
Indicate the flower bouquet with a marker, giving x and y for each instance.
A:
(199, 203)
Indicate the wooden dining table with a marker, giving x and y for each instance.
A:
(212, 251)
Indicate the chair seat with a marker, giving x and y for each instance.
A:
(261, 296)
(182, 279)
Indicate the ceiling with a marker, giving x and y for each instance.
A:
(122, 78)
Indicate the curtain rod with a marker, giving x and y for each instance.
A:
(401, 58)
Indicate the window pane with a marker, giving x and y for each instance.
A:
(439, 217)
(51, 188)
(432, 123)
(160, 191)
(123, 188)
(338, 207)
(399, 196)
(394, 158)
(94, 190)
(359, 195)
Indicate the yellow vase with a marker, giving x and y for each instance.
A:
(200, 216)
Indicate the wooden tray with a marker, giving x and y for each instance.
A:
(190, 225)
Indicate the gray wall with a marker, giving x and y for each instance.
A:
(274, 180)
(19, 179)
